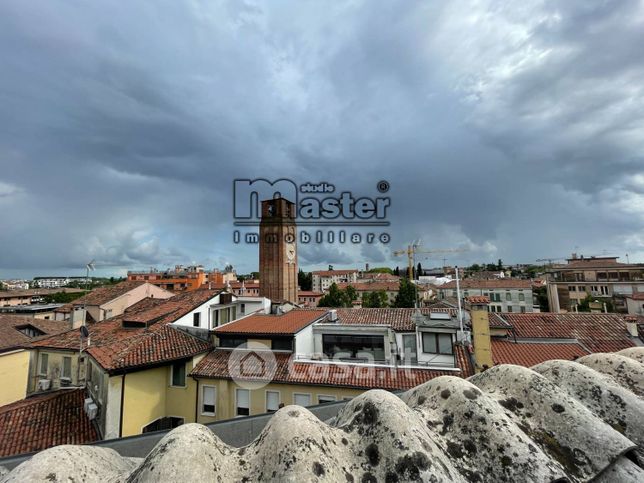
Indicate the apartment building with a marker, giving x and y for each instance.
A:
(390, 288)
(177, 280)
(308, 357)
(505, 295)
(604, 278)
(323, 279)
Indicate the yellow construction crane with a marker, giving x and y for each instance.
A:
(413, 249)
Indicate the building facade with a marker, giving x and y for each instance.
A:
(323, 279)
(505, 295)
(605, 279)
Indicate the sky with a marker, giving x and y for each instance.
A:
(510, 130)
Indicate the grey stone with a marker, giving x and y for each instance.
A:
(561, 420)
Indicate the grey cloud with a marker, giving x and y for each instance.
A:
(514, 130)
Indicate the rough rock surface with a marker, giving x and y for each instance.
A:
(560, 420)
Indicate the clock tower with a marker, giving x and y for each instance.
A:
(278, 250)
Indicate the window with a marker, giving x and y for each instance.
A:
(521, 297)
(272, 401)
(325, 399)
(162, 424)
(509, 308)
(196, 319)
(508, 296)
(409, 347)
(522, 309)
(44, 363)
(436, 343)
(232, 342)
(179, 374)
(301, 399)
(354, 346)
(67, 367)
(208, 397)
(242, 398)
(242, 309)
(282, 344)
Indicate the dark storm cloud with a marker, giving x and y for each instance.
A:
(510, 129)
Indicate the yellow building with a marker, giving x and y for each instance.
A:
(17, 335)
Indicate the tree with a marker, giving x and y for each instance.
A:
(337, 297)
(397, 272)
(375, 300)
(304, 280)
(474, 268)
(541, 294)
(381, 270)
(419, 270)
(499, 265)
(406, 294)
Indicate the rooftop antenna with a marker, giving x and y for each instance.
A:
(458, 297)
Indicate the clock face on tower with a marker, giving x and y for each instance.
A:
(290, 252)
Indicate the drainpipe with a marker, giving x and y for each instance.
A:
(122, 403)
(197, 401)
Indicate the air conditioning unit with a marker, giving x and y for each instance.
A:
(44, 384)
(333, 315)
(65, 382)
(87, 402)
(91, 410)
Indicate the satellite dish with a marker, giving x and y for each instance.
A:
(84, 332)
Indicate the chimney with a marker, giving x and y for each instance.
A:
(631, 325)
(481, 332)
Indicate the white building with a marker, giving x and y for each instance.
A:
(323, 279)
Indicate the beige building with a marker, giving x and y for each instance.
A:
(603, 278)
(323, 279)
(112, 300)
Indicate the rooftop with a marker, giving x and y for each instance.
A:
(116, 348)
(284, 368)
(597, 332)
(557, 421)
(43, 421)
(102, 295)
(260, 324)
(329, 273)
(529, 353)
(399, 319)
(11, 336)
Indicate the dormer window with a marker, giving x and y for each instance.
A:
(30, 331)
(437, 343)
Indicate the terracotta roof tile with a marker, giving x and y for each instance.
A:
(478, 299)
(282, 368)
(598, 332)
(329, 273)
(398, 319)
(102, 295)
(309, 293)
(12, 338)
(285, 324)
(529, 354)
(39, 422)
(116, 348)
